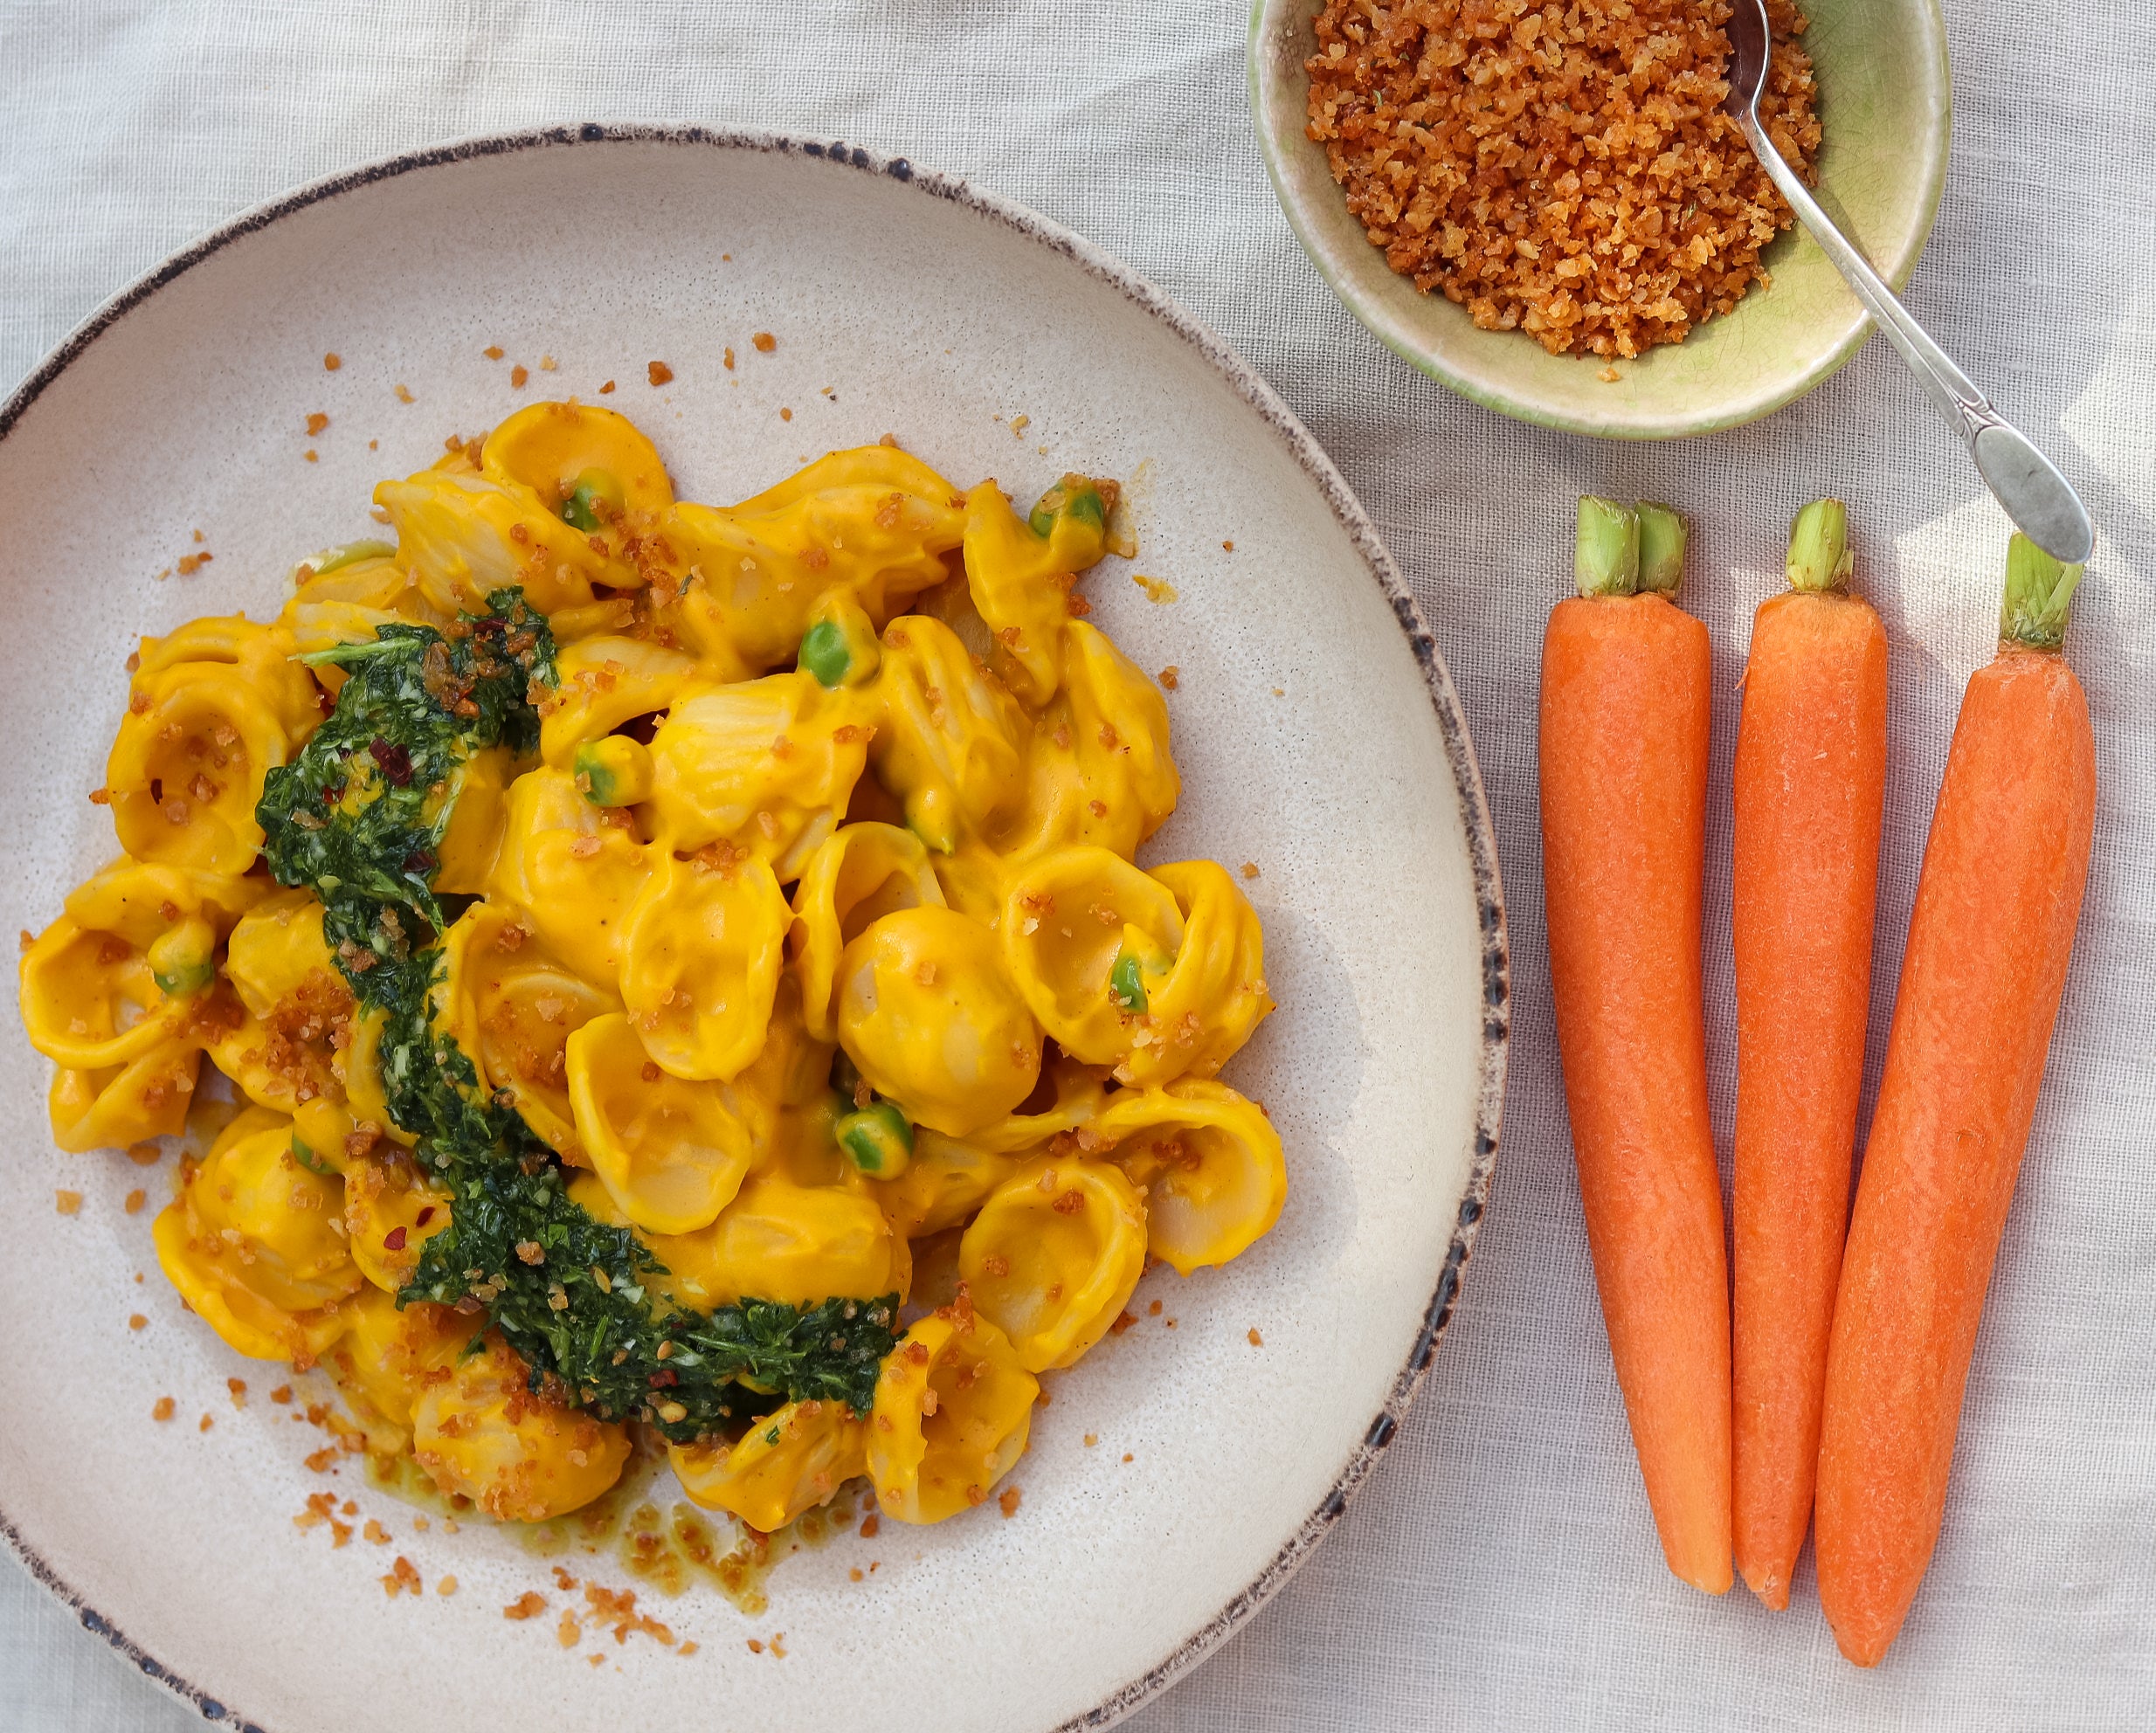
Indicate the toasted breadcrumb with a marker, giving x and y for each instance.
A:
(1256, 1341)
(765, 341)
(136, 1198)
(658, 372)
(67, 1203)
(1565, 171)
(332, 361)
(315, 423)
(518, 375)
(403, 395)
(163, 1409)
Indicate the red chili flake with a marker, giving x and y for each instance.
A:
(393, 1240)
(394, 762)
(664, 1379)
(426, 1215)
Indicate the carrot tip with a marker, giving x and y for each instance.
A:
(1819, 560)
(1772, 1591)
(2040, 590)
(1662, 536)
(1606, 548)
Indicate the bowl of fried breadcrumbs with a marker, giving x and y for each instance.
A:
(1544, 206)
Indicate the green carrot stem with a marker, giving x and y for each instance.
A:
(1819, 560)
(1662, 536)
(1606, 553)
(2040, 590)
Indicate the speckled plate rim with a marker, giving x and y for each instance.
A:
(1347, 512)
(1396, 337)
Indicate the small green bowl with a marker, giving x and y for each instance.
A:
(1885, 109)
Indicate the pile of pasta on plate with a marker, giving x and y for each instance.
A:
(633, 931)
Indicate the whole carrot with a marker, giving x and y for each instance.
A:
(1811, 778)
(1626, 697)
(1982, 979)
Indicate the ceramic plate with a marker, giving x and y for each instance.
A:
(1318, 738)
(1885, 107)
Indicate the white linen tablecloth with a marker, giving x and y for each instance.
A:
(1500, 1569)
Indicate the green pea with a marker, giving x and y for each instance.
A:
(825, 652)
(877, 1139)
(181, 960)
(1082, 504)
(613, 771)
(593, 485)
(1126, 983)
(307, 1159)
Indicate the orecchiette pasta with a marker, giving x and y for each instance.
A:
(764, 767)
(387, 1355)
(952, 741)
(787, 1462)
(390, 1211)
(629, 928)
(254, 1243)
(929, 1014)
(872, 525)
(482, 1433)
(1052, 1255)
(863, 873)
(672, 1154)
(699, 965)
(952, 1411)
(1211, 1163)
(570, 875)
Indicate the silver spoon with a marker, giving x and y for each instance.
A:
(2022, 479)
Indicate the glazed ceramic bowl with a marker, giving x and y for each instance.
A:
(1181, 1472)
(1885, 110)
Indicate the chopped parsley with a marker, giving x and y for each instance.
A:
(358, 818)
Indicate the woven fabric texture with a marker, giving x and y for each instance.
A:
(1500, 1569)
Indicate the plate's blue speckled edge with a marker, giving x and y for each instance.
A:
(1459, 751)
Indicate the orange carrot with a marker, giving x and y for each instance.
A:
(1982, 979)
(1811, 777)
(1626, 698)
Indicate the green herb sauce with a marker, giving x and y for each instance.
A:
(358, 818)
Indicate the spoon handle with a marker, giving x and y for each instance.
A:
(2039, 500)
